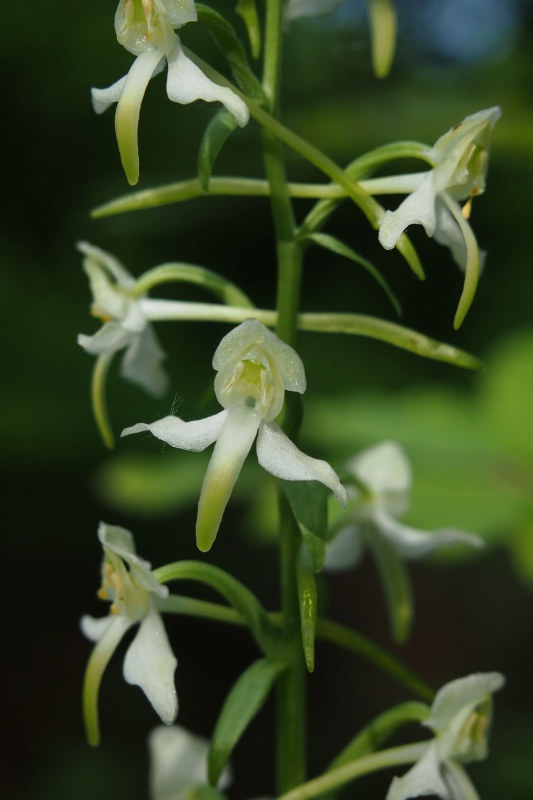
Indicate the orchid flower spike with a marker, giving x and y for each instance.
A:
(146, 29)
(149, 661)
(382, 477)
(254, 369)
(460, 160)
(460, 719)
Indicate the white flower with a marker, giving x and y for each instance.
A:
(383, 478)
(254, 369)
(149, 661)
(146, 29)
(125, 319)
(178, 761)
(460, 718)
(460, 160)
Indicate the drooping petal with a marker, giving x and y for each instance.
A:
(128, 109)
(110, 338)
(232, 447)
(195, 435)
(186, 83)
(412, 543)
(120, 542)
(142, 363)
(94, 628)
(150, 664)
(103, 98)
(279, 456)
(422, 779)
(107, 262)
(178, 759)
(96, 665)
(417, 208)
(458, 782)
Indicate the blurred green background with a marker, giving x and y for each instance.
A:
(470, 435)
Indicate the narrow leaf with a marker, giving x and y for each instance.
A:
(217, 132)
(334, 245)
(228, 43)
(308, 502)
(307, 596)
(247, 11)
(242, 704)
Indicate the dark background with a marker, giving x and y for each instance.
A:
(60, 160)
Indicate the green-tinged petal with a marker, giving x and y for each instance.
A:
(99, 399)
(195, 435)
(473, 262)
(463, 693)
(382, 19)
(107, 262)
(422, 779)
(96, 665)
(243, 703)
(344, 550)
(120, 542)
(412, 543)
(128, 110)
(233, 445)
(417, 208)
(178, 759)
(458, 782)
(142, 363)
(110, 338)
(279, 456)
(186, 83)
(395, 581)
(150, 664)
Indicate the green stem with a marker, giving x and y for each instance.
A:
(407, 754)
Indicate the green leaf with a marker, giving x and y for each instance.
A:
(244, 701)
(334, 245)
(228, 43)
(247, 11)
(308, 502)
(396, 585)
(307, 596)
(217, 132)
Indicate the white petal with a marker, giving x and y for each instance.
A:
(412, 543)
(150, 664)
(458, 782)
(110, 338)
(128, 110)
(421, 780)
(232, 447)
(94, 628)
(463, 693)
(417, 208)
(106, 261)
(178, 759)
(120, 542)
(186, 83)
(279, 456)
(103, 98)
(142, 363)
(252, 340)
(383, 468)
(344, 550)
(195, 435)
(448, 233)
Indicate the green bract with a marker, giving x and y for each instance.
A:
(254, 370)
(128, 582)
(146, 29)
